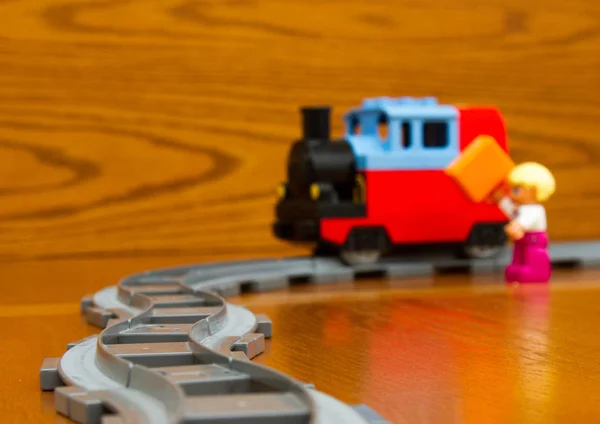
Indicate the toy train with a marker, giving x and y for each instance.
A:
(383, 187)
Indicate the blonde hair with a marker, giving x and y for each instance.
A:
(534, 175)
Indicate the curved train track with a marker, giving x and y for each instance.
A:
(174, 351)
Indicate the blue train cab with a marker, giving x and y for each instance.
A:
(403, 134)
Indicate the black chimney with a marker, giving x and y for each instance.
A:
(315, 123)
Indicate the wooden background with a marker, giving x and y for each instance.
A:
(140, 134)
(153, 128)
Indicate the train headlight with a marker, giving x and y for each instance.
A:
(359, 194)
(281, 190)
(315, 191)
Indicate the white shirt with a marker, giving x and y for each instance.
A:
(531, 217)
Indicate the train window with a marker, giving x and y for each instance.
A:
(354, 125)
(383, 127)
(435, 134)
(405, 141)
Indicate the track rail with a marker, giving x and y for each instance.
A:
(172, 350)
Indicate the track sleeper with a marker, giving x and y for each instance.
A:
(182, 315)
(155, 333)
(100, 317)
(246, 408)
(49, 375)
(264, 325)
(85, 409)
(62, 396)
(87, 301)
(251, 344)
(197, 380)
(154, 354)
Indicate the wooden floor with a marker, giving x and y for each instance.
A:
(140, 134)
(463, 351)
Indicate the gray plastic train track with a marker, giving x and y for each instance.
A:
(174, 351)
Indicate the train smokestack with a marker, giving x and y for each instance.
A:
(315, 123)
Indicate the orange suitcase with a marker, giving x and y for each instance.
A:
(480, 168)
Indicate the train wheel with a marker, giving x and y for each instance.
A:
(485, 241)
(482, 252)
(365, 257)
(365, 245)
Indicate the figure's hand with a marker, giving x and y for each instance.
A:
(497, 194)
(514, 231)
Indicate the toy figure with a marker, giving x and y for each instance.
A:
(530, 185)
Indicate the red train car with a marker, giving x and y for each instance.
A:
(383, 188)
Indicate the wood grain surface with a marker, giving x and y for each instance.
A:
(444, 350)
(154, 128)
(141, 134)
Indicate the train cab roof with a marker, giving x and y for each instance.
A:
(406, 107)
(403, 133)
